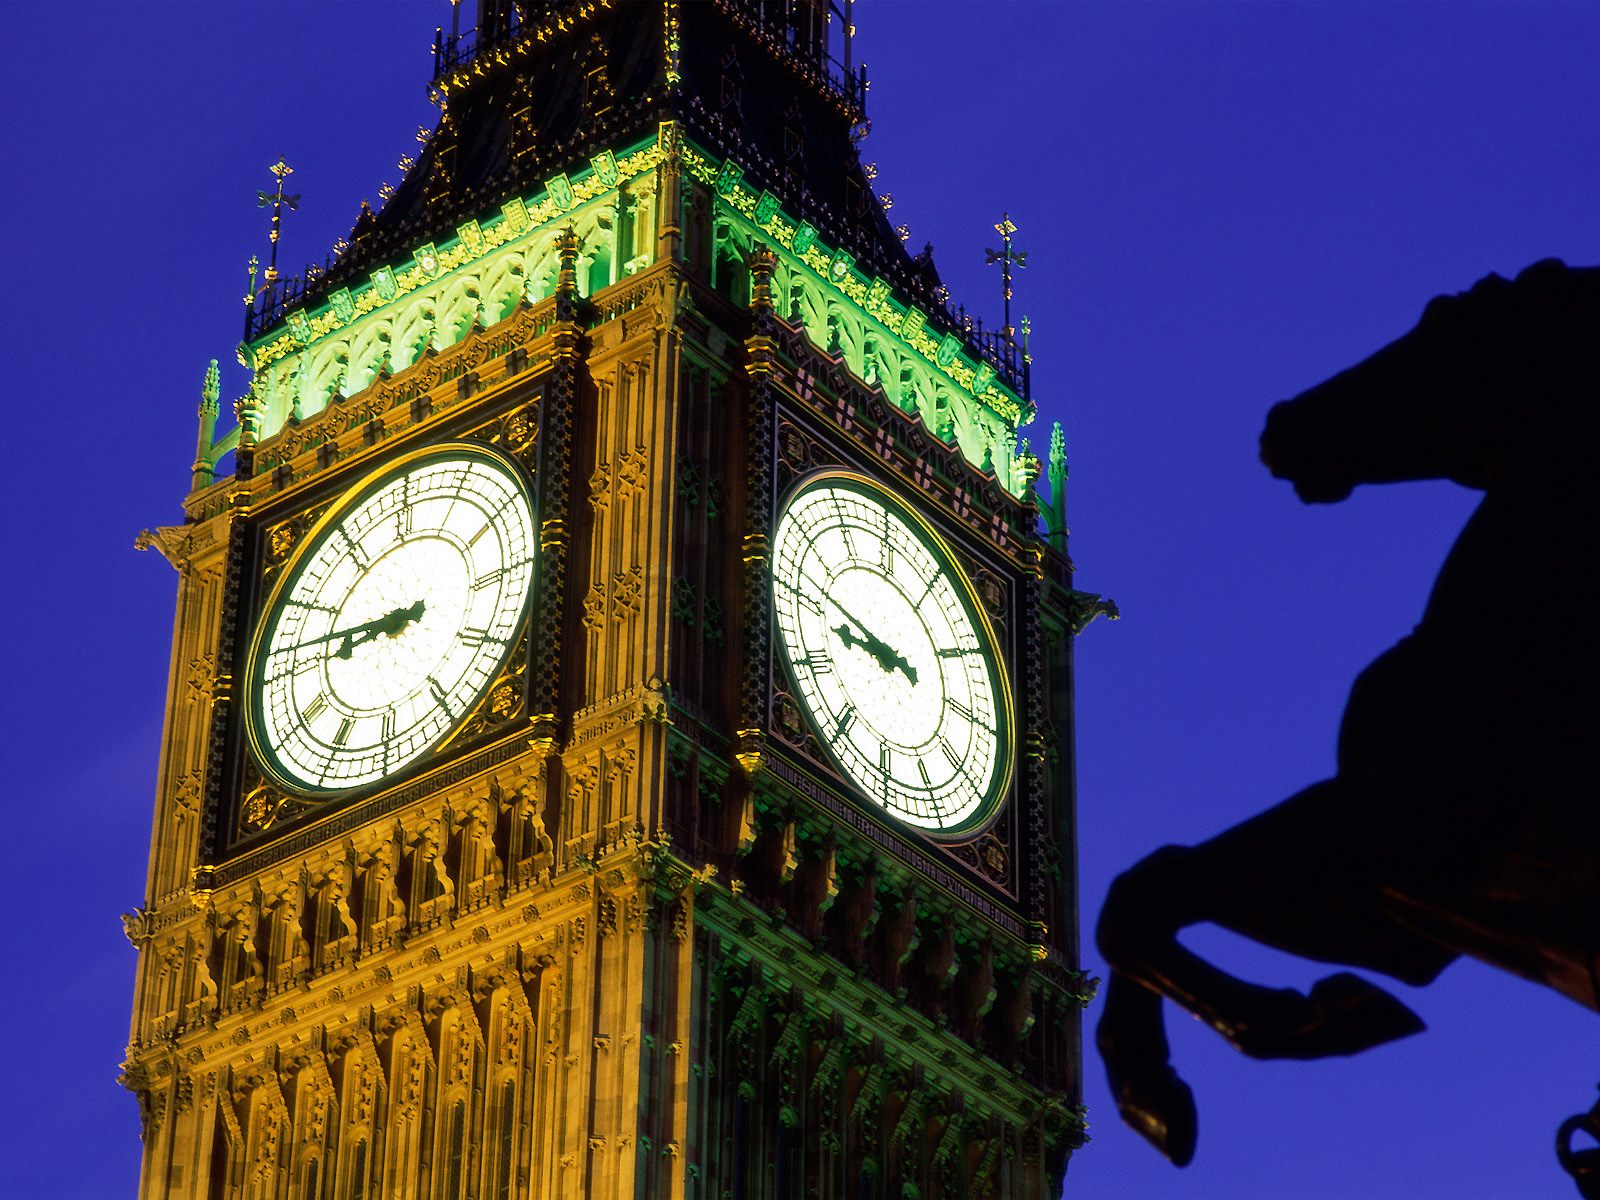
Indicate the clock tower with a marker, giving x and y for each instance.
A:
(619, 732)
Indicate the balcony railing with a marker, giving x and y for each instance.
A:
(816, 32)
(1000, 349)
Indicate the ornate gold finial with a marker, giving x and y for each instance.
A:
(567, 245)
(763, 261)
(277, 202)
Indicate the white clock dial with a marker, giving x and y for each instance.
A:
(891, 659)
(392, 620)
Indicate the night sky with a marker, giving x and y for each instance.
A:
(1222, 204)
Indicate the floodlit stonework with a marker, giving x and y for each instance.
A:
(627, 929)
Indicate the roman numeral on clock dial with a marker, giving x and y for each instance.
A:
(846, 719)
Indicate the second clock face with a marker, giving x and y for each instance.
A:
(392, 620)
(894, 665)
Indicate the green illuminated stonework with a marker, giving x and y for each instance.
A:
(500, 260)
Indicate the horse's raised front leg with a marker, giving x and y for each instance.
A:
(1132, 1040)
(1293, 878)
(1165, 893)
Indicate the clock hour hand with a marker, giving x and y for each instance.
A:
(880, 650)
(390, 623)
(873, 645)
(886, 658)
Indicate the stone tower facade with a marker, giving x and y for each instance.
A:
(623, 916)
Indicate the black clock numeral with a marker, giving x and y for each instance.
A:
(885, 758)
(886, 555)
(473, 540)
(439, 695)
(293, 668)
(949, 754)
(316, 708)
(342, 737)
(957, 651)
(488, 579)
(388, 730)
(962, 710)
(356, 552)
(807, 600)
(846, 719)
(310, 607)
(844, 527)
(922, 770)
(474, 637)
(819, 662)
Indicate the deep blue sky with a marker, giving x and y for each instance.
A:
(1222, 204)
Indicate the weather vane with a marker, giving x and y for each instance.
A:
(276, 201)
(1007, 256)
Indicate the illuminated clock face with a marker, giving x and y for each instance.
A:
(891, 659)
(392, 620)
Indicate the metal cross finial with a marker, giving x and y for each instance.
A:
(1007, 256)
(277, 201)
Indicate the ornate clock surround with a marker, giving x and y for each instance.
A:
(826, 418)
(250, 820)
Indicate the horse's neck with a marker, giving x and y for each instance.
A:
(1518, 573)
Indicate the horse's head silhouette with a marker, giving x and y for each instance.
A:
(1463, 815)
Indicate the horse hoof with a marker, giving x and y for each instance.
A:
(1359, 1015)
(1159, 1107)
(1344, 1014)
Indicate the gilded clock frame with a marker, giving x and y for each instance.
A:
(264, 758)
(994, 803)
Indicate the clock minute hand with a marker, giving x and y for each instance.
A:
(866, 639)
(887, 658)
(848, 637)
(358, 635)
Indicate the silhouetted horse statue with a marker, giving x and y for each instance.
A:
(1463, 818)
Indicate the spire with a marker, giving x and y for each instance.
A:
(1007, 256)
(538, 93)
(204, 470)
(277, 201)
(1056, 514)
(537, 90)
